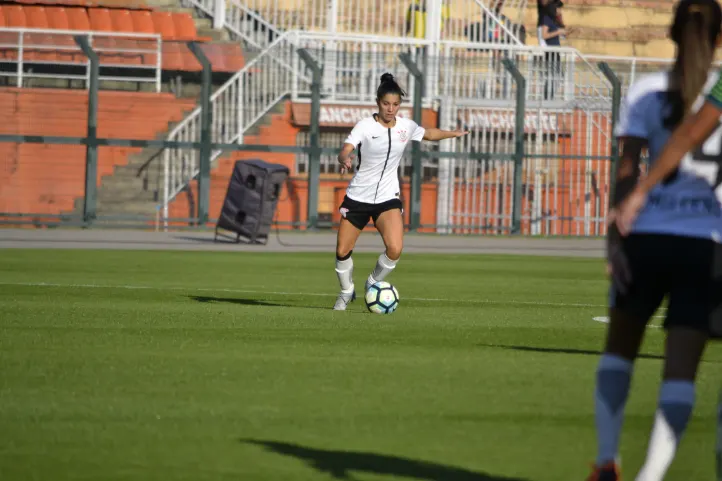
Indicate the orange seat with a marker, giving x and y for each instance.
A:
(142, 22)
(133, 4)
(173, 55)
(225, 57)
(184, 26)
(36, 18)
(15, 16)
(100, 20)
(149, 56)
(105, 45)
(78, 19)
(2, 18)
(57, 18)
(121, 21)
(163, 23)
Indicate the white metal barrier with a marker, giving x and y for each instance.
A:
(353, 65)
(567, 140)
(43, 53)
(237, 105)
(629, 69)
(259, 21)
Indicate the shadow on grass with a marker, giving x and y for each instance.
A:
(559, 350)
(339, 464)
(327, 306)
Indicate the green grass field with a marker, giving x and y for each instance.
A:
(160, 366)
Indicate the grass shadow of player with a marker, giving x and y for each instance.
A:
(561, 350)
(339, 464)
(248, 302)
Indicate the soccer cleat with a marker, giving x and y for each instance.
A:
(343, 300)
(607, 472)
(369, 282)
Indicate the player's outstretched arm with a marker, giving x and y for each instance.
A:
(438, 134)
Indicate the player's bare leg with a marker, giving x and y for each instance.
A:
(390, 225)
(345, 242)
(683, 353)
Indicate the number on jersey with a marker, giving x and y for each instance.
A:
(706, 162)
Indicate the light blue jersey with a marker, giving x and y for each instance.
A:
(688, 205)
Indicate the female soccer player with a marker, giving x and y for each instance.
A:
(374, 191)
(670, 248)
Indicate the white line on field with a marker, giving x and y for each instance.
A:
(284, 293)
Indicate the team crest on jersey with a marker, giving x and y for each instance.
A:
(403, 135)
(343, 211)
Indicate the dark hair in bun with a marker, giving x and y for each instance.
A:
(389, 86)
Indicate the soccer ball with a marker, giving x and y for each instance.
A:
(382, 298)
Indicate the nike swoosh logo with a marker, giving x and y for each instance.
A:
(376, 137)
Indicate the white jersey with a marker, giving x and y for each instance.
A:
(379, 151)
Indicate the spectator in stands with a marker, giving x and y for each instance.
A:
(550, 33)
(416, 23)
(416, 18)
(548, 8)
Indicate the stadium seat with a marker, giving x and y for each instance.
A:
(174, 54)
(163, 24)
(7, 38)
(142, 22)
(36, 18)
(58, 19)
(100, 20)
(121, 21)
(128, 4)
(78, 19)
(15, 16)
(185, 27)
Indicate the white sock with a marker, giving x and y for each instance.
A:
(383, 268)
(614, 375)
(676, 400)
(344, 271)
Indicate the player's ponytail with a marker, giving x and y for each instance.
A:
(695, 30)
(389, 86)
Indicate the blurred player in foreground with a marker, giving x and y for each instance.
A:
(664, 240)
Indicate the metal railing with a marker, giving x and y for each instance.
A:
(525, 168)
(29, 53)
(243, 22)
(259, 21)
(236, 106)
(353, 64)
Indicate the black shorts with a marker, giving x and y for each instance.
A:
(686, 270)
(359, 213)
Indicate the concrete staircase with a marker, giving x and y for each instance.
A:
(136, 189)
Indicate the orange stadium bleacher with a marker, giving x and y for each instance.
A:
(174, 28)
(49, 178)
(125, 4)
